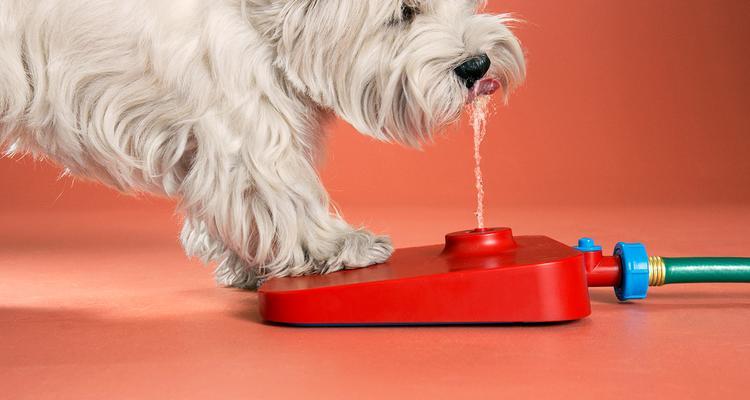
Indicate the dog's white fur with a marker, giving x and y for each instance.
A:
(221, 104)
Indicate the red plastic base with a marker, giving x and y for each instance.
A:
(480, 276)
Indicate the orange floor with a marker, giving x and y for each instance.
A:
(104, 305)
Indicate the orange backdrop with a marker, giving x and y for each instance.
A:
(637, 102)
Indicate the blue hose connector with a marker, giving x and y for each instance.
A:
(634, 267)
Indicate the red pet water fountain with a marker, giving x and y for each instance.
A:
(483, 276)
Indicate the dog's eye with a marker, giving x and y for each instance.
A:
(408, 13)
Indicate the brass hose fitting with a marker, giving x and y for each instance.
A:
(657, 271)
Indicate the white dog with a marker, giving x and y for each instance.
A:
(222, 104)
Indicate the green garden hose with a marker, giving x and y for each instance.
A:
(664, 270)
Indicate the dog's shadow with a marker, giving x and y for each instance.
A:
(248, 309)
(59, 336)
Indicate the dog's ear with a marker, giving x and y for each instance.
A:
(272, 17)
(264, 16)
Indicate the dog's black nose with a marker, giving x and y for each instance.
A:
(473, 69)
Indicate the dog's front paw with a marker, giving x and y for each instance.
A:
(360, 248)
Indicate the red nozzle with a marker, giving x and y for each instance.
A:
(601, 270)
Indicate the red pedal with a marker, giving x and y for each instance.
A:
(480, 276)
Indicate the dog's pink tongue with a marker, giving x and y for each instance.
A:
(486, 86)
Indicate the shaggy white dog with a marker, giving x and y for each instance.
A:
(221, 104)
